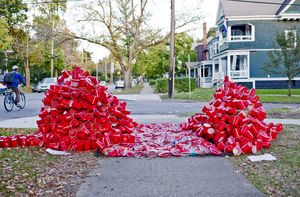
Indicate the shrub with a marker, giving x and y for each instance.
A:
(152, 82)
(181, 84)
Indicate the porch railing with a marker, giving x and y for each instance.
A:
(218, 79)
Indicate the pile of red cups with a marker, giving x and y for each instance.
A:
(80, 115)
(233, 121)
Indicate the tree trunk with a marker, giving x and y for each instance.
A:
(27, 74)
(127, 76)
(56, 72)
(290, 85)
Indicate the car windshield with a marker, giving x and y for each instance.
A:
(47, 80)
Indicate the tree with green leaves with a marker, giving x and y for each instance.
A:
(5, 38)
(126, 31)
(285, 58)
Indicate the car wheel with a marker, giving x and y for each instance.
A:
(39, 91)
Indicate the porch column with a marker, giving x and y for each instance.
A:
(228, 67)
(203, 74)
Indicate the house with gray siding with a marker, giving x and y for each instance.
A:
(245, 31)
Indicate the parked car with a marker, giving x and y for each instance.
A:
(2, 88)
(119, 84)
(44, 85)
(103, 83)
(34, 88)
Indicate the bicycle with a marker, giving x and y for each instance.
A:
(10, 100)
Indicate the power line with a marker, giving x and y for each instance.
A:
(263, 2)
(62, 1)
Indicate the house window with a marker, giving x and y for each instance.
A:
(239, 66)
(216, 68)
(242, 32)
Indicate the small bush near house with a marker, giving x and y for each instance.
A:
(180, 84)
(152, 82)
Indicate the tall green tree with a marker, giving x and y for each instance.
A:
(285, 58)
(5, 38)
(126, 31)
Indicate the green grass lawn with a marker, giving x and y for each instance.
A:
(206, 94)
(134, 90)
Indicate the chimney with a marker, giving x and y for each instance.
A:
(204, 36)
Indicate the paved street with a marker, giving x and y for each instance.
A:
(187, 176)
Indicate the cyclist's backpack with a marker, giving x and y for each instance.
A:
(9, 78)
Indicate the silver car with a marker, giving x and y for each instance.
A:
(44, 85)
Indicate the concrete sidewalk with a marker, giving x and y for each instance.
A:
(147, 94)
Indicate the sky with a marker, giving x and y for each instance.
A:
(161, 17)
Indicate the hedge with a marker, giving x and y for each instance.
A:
(152, 82)
(181, 84)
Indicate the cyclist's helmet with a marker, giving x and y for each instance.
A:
(15, 67)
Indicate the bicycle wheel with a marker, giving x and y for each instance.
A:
(8, 102)
(22, 100)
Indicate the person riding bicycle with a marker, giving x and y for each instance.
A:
(15, 84)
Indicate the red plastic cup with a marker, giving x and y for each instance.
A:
(236, 133)
(132, 139)
(236, 120)
(14, 142)
(63, 145)
(206, 127)
(206, 108)
(87, 146)
(54, 146)
(221, 146)
(222, 126)
(38, 142)
(211, 133)
(99, 144)
(237, 149)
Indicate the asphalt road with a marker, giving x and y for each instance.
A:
(34, 104)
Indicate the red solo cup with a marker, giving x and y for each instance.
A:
(6, 143)
(231, 141)
(266, 144)
(97, 113)
(65, 88)
(76, 105)
(92, 108)
(85, 73)
(216, 120)
(246, 147)
(99, 144)
(251, 94)
(75, 94)
(87, 146)
(31, 141)
(214, 150)
(236, 120)
(241, 115)
(63, 145)
(279, 127)
(78, 115)
(245, 131)
(23, 141)
(54, 146)
(116, 139)
(80, 146)
(262, 135)
(244, 121)
(83, 118)
(253, 130)
(96, 127)
(81, 83)
(222, 126)
(254, 149)
(74, 123)
(38, 142)
(107, 141)
(206, 108)
(273, 134)
(65, 74)
(258, 144)
(67, 127)
(236, 133)
(68, 118)
(221, 146)
(217, 102)
(93, 145)
(240, 105)
(224, 118)
(132, 139)
(66, 95)
(73, 140)
(43, 114)
(229, 128)
(88, 125)
(230, 110)
(237, 149)
(211, 132)
(206, 127)
(128, 130)
(85, 130)
(125, 139)
(254, 113)
(14, 142)
(219, 136)
(228, 149)
(229, 103)
(230, 119)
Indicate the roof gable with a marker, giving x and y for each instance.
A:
(250, 7)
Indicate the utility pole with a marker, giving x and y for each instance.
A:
(172, 44)
(52, 43)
